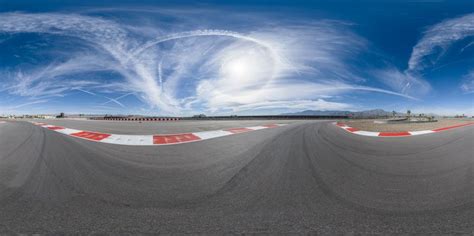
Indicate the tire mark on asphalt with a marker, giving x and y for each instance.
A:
(236, 180)
(331, 194)
(27, 139)
(361, 167)
(19, 192)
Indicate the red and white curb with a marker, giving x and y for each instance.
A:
(395, 134)
(145, 140)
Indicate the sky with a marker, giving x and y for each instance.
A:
(236, 57)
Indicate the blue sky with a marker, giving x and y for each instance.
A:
(237, 57)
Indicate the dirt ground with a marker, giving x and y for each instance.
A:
(369, 125)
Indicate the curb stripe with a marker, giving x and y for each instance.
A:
(452, 127)
(212, 134)
(129, 139)
(257, 128)
(55, 127)
(91, 135)
(238, 130)
(67, 131)
(176, 138)
(270, 126)
(350, 129)
(421, 132)
(147, 140)
(367, 133)
(395, 134)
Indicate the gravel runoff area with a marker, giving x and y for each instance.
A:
(369, 125)
(152, 127)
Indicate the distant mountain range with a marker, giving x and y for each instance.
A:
(368, 113)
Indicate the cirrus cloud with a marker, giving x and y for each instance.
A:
(467, 85)
(437, 40)
(273, 65)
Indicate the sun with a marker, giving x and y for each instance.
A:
(243, 68)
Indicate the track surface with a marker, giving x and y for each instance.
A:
(300, 178)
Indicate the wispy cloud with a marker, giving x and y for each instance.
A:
(434, 44)
(467, 85)
(109, 100)
(85, 91)
(27, 104)
(15, 109)
(269, 65)
(116, 100)
(54, 79)
(294, 105)
(437, 40)
(403, 81)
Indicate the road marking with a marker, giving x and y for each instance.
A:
(350, 129)
(174, 138)
(271, 126)
(395, 134)
(91, 135)
(54, 127)
(258, 127)
(238, 130)
(68, 131)
(367, 133)
(212, 134)
(421, 132)
(452, 127)
(392, 134)
(40, 124)
(138, 140)
(159, 139)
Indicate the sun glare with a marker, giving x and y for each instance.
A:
(245, 69)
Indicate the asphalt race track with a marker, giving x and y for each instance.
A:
(306, 177)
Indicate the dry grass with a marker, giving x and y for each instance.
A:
(369, 125)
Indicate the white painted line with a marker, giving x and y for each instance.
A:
(421, 132)
(39, 124)
(366, 133)
(256, 127)
(68, 131)
(212, 134)
(129, 139)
